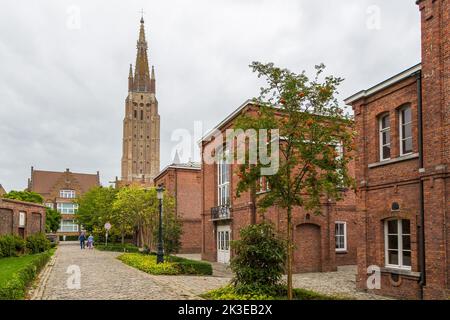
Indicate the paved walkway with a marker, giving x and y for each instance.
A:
(103, 277)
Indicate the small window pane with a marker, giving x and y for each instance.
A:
(407, 258)
(393, 242)
(385, 122)
(407, 146)
(393, 227)
(406, 131)
(386, 137)
(393, 257)
(406, 114)
(406, 227)
(406, 242)
(386, 152)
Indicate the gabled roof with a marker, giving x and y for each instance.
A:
(229, 118)
(2, 190)
(42, 182)
(385, 84)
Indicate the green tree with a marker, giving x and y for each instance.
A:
(95, 208)
(26, 196)
(311, 124)
(52, 220)
(258, 264)
(172, 226)
(135, 209)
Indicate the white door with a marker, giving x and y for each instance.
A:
(223, 244)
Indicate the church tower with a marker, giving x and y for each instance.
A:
(141, 133)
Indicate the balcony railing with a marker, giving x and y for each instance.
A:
(220, 213)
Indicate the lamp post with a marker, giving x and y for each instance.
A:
(160, 253)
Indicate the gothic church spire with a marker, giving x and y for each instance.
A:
(142, 72)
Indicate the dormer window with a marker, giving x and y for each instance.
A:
(406, 139)
(385, 137)
(67, 194)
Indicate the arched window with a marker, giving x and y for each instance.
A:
(385, 137)
(406, 138)
(223, 179)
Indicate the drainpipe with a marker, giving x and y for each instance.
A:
(421, 231)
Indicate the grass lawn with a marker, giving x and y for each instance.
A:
(171, 266)
(17, 273)
(9, 266)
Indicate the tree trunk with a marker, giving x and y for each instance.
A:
(289, 253)
(253, 207)
(123, 237)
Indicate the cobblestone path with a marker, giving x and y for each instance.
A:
(102, 278)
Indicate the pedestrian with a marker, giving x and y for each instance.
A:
(82, 239)
(91, 242)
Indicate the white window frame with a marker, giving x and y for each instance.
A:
(22, 219)
(50, 205)
(59, 206)
(400, 245)
(67, 194)
(383, 130)
(401, 125)
(223, 179)
(74, 226)
(344, 236)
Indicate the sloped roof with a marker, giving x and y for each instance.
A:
(42, 182)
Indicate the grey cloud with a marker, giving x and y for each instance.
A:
(62, 91)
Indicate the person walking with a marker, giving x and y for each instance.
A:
(82, 239)
(90, 242)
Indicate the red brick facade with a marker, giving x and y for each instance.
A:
(314, 236)
(391, 189)
(49, 185)
(183, 182)
(33, 216)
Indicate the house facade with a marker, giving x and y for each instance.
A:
(183, 182)
(402, 170)
(2, 190)
(21, 218)
(60, 191)
(321, 242)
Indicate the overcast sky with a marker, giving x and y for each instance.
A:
(64, 67)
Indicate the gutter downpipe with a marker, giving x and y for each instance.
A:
(421, 231)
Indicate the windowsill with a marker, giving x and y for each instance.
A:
(403, 272)
(396, 160)
(341, 251)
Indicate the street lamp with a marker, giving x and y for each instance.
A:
(160, 253)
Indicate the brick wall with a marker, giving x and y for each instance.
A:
(9, 217)
(314, 236)
(185, 186)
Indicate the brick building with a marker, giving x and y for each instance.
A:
(183, 182)
(141, 132)
(21, 218)
(321, 242)
(60, 190)
(402, 169)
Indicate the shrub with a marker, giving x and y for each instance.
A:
(229, 293)
(118, 248)
(15, 287)
(38, 243)
(11, 246)
(171, 266)
(192, 267)
(147, 263)
(258, 264)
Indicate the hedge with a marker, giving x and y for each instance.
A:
(171, 266)
(16, 286)
(11, 246)
(118, 248)
(229, 293)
